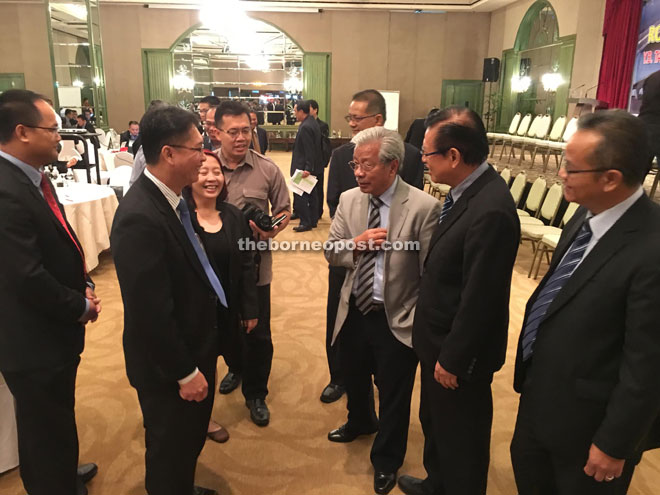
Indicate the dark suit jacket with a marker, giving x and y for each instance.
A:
(262, 135)
(416, 131)
(325, 130)
(170, 320)
(650, 110)
(341, 177)
(462, 312)
(595, 370)
(307, 152)
(42, 285)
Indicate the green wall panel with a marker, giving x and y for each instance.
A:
(157, 68)
(316, 81)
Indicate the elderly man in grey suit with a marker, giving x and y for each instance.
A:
(380, 233)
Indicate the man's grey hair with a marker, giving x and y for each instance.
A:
(391, 144)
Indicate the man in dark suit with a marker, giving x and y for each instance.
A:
(170, 293)
(259, 141)
(650, 112)
(462, 316)
(307, 157)
(415, 134)
(46, 297)
(129, 137)
(367, 109)
(588, 363)
(326, 151)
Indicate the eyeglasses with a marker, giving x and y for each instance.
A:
(366, 167)
(431, 153)
(589, 170)
(199, 149)
(51, 129)
(233, 133)
(356, 118)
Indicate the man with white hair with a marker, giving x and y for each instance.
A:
(380, 233)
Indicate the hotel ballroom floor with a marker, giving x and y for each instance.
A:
(292, 455)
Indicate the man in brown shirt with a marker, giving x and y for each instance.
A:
(252, 178)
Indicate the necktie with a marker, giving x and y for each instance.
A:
(52, 204)
(446, 206)
(365, 291)
(255, 141)
(201, 254)
(552, 287)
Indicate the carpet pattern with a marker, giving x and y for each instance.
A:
(292, 455)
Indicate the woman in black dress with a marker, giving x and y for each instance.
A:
(223, 227)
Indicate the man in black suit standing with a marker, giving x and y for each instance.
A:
(588, 363)
(462, 316)
(307, 157)
(46, 297)
(415, 134)
(170, 294)
(367, 109)
(326, 151)
(650, 112)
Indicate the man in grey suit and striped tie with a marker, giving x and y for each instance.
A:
(380, 233)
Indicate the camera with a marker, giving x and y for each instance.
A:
(258, 216)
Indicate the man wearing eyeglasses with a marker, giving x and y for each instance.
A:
(366, 110)
(211, 131)
(46, 298)
(378, 296)
(588, 362)
(251, 178)
(170, 294)
(462, 314)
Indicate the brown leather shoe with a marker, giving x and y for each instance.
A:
(220, 436)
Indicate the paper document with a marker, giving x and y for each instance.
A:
(300, 184)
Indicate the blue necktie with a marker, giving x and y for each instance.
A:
(446, 206)
(201, 254)
(552, 287)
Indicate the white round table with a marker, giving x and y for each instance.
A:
(89, 209)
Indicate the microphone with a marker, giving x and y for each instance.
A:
(574, 90)
(592, 87)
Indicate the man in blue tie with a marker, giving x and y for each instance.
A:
(170, 293)
(461, 321)
(588, 363)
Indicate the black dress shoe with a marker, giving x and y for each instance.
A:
(229, 383)
(413, 486)
(384, 482)
(302, 228)
(87, 471)
(331, 393)
(200, 490)
(344, 435)
(259, 412)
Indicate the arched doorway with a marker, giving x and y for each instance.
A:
(536, 72)
(205, 61)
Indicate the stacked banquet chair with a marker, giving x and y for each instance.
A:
(534, 199)
(495, 137)
(541, 134)
(506, 175)
(518, 186)
(543, 143)
(521, 131)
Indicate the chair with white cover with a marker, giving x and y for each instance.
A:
(547, 245)
(113, 142)
(558, 148)
(534, 197)
(535, 233)
(521, 131)
(506, 175)
(541, 133)
(439, 190)
(120, 177)
(519, 139)
(554, 137)
(518, 186)
(68, 151)
(495, 137)
(104, 138)
(123, 158)
(8, 432)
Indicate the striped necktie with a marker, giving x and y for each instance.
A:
(365, 288)
(446, 206)
(552, 287)
(201, 254)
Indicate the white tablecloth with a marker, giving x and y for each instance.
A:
(90, 209)
(8, 439)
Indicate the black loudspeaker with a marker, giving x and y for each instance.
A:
(491, 70)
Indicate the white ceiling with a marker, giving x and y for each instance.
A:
(315, 5)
